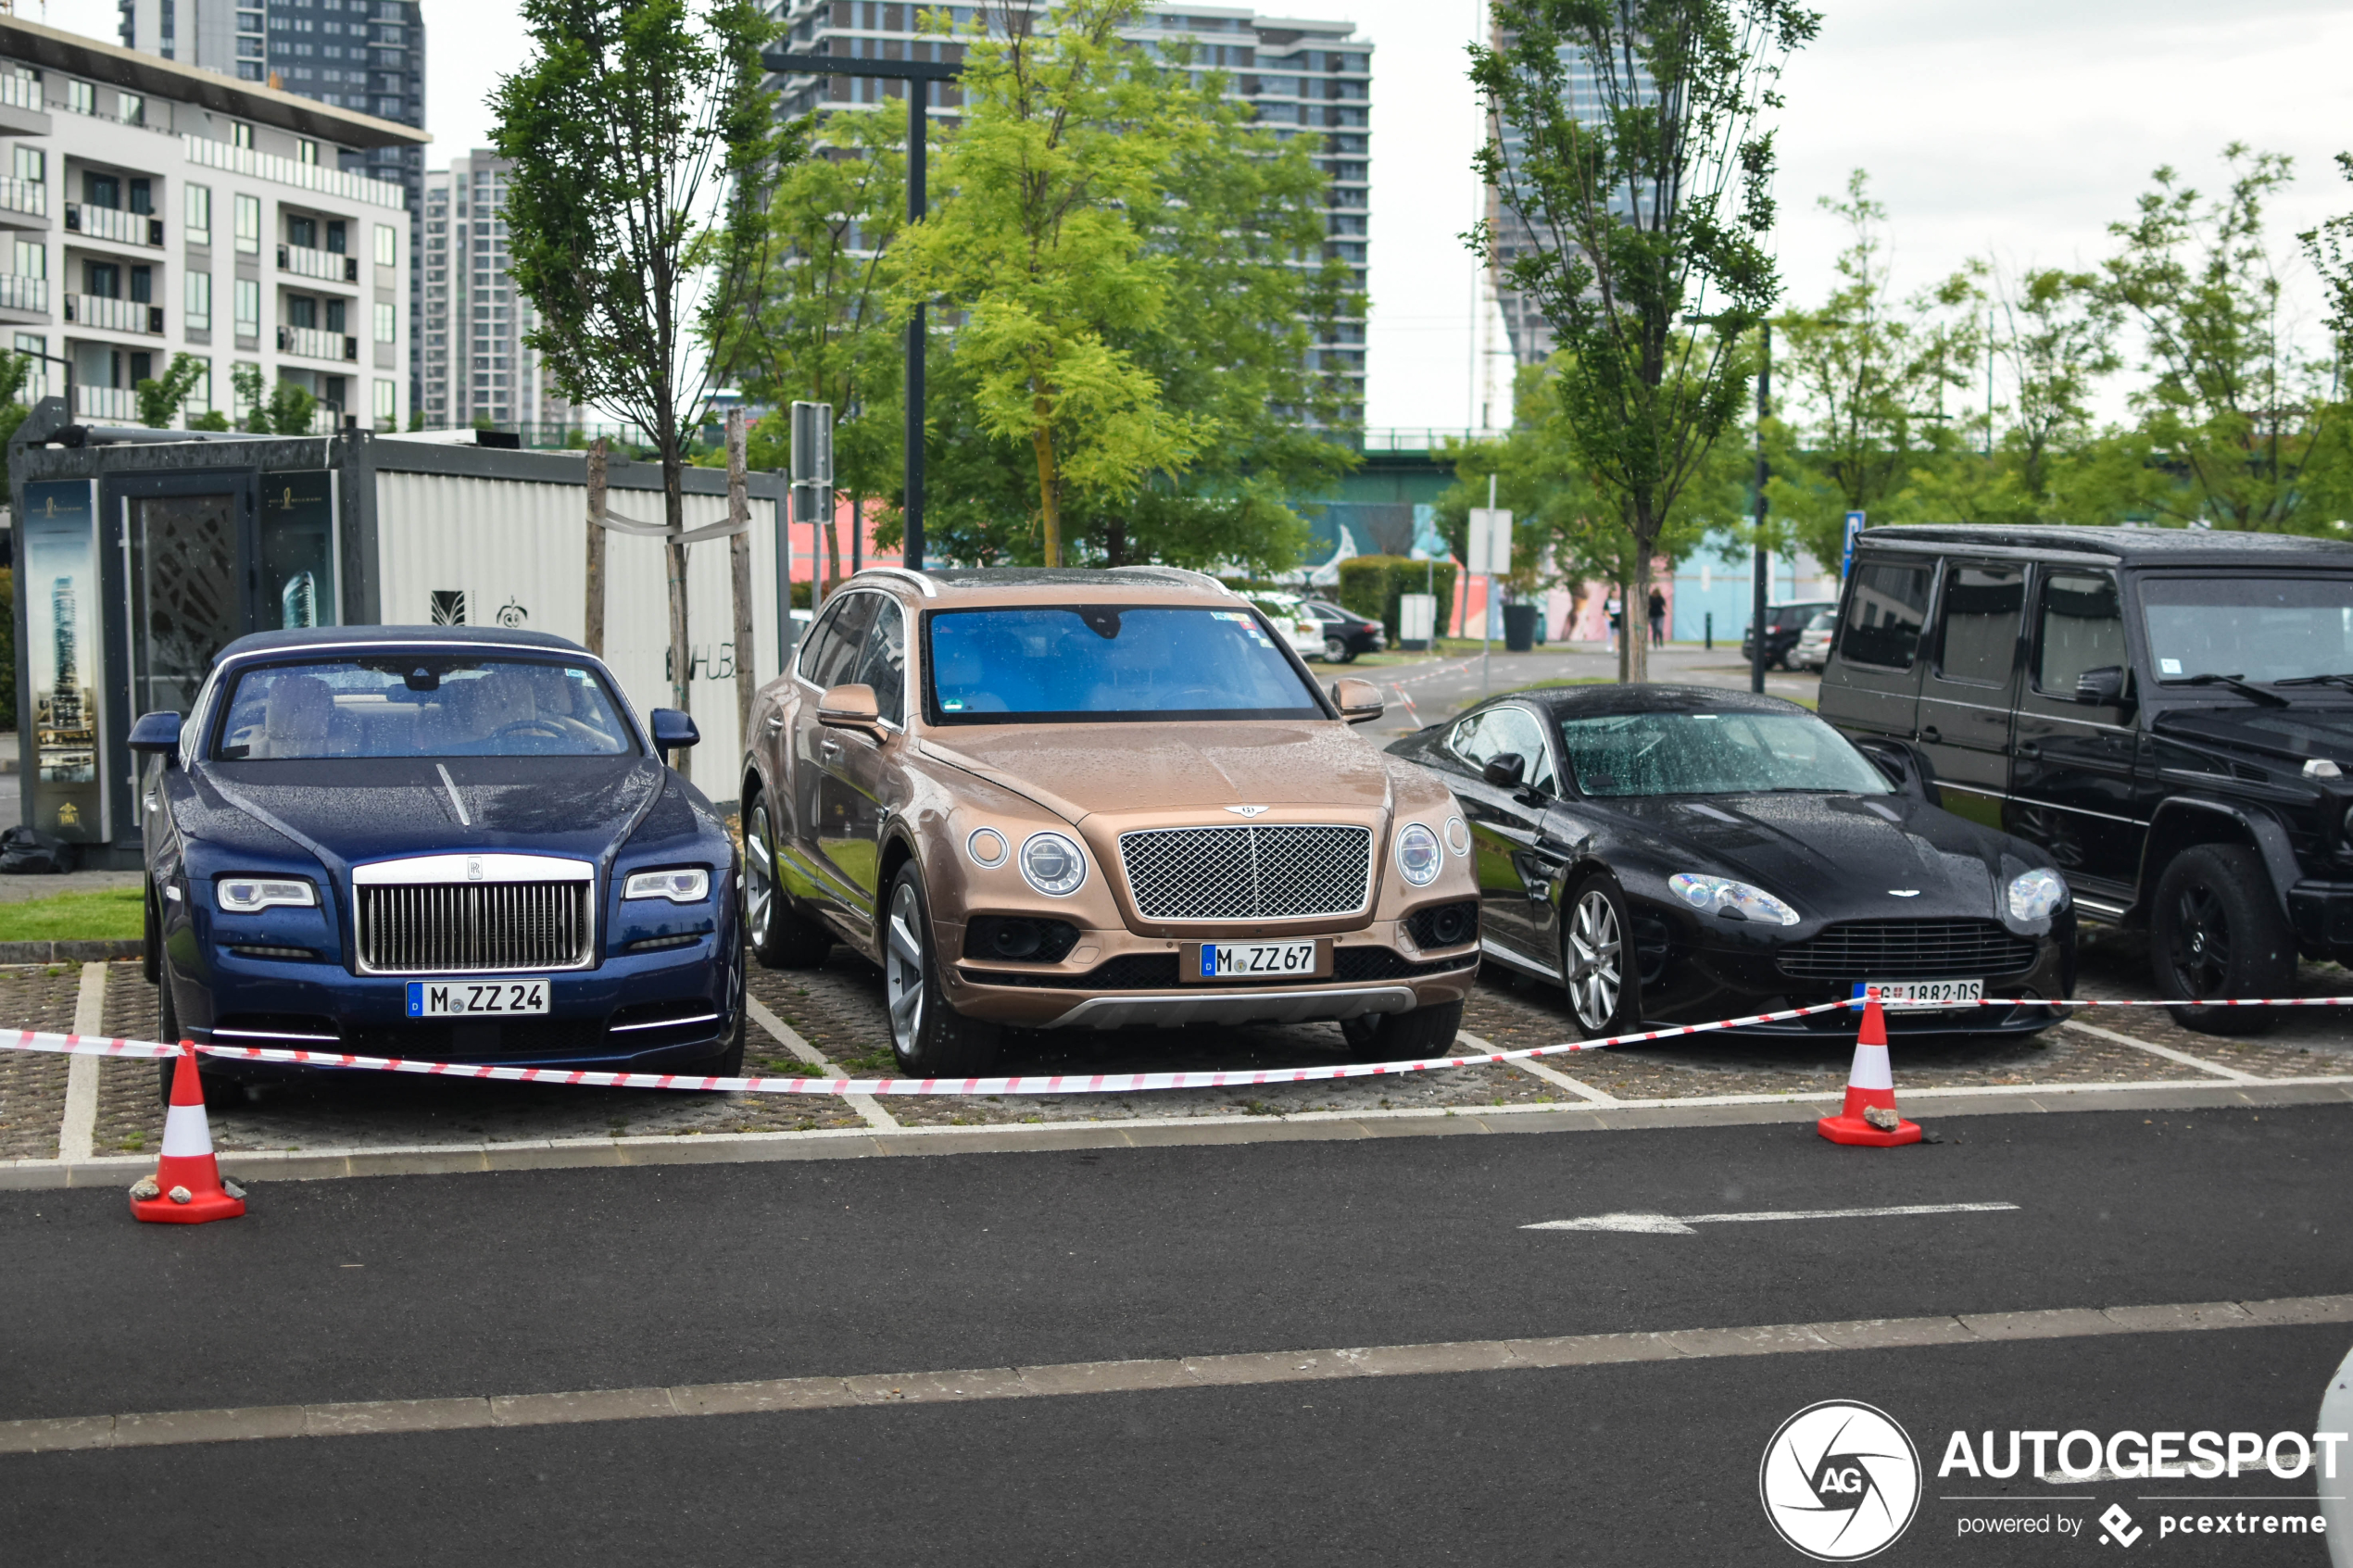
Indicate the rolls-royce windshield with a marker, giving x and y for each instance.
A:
(421, 706)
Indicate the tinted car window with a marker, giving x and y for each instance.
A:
(884, 666)
(1499, 730)
(1979, 631)
(2081, 627)
(1889, 605)
(421, 705)
(844, 645)
(813, 640)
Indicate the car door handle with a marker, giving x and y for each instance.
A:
(1931, 735)
(2029, 748)
(775, 722)
(829, 747)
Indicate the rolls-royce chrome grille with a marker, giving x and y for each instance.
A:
(475, 914)
(1274, 871)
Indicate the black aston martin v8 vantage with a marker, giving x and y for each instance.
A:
(1679, 854)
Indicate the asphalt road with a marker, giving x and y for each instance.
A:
(564, 1280)
(1441, 687)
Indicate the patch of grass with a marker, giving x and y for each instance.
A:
(110, 914)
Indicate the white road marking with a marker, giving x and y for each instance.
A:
(1535, 1069)
(1671, 1224)
(2167, 1052)
(78, 1134)
(789, 1037)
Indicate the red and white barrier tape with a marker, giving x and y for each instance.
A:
(1040, 1084)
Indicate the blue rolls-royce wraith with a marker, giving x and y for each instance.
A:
(444, 843)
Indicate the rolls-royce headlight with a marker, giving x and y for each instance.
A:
(248, 895)
(1418, 857)
(1052, 864)
(685, 886)
(2037, 895)
(1722, 896)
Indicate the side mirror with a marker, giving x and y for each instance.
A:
(851, 707)
(2103, 687)
(1505, 769)
(673, 731)
(157, 733)
(1358, 701)
(1905, 766)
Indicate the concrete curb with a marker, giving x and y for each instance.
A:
(867, 1143)
(69, 952)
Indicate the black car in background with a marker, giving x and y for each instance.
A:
(1346, 633)
(1783, 626)
(2167, 713)
(1681, 854)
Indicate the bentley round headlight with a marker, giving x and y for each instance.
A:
(1732, 901)
(2037, 895)
(1457, 836)
(1052, 864)
(1418, 855)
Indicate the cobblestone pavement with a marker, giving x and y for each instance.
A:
(838, 1010)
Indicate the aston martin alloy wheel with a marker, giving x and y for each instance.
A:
(929, 1038)
(1593, 959)
(780, 936)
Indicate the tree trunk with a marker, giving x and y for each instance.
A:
(1041, 439)
(593, 619)
(739, 571)
(1637, 614)
(1115, 541)
(674, 510)
(833, 547)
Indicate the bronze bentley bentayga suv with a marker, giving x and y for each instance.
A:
(1096, 799)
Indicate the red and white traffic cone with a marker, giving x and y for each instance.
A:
(187, 1189)
(1870, 1117)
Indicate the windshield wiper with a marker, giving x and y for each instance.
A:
(2238, 683)
(2344, 681)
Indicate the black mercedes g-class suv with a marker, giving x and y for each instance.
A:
(2169, 712)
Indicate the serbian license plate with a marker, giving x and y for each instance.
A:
(1928, 992)
(476, 999)
(1239, 960)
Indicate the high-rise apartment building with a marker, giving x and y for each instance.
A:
(363, 54)
(476, 367)
(1297, 75)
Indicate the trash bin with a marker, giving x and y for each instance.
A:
(1519, 627)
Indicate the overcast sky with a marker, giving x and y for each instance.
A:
(2018, 129)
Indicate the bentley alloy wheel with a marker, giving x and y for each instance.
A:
(905, 972)
(1596, 955)
(759, 876)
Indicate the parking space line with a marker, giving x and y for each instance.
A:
(78, 1133)
(1551, 1075)
(2167, 1052)
(1246, 1369)
(789, 1037)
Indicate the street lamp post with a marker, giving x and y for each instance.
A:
(918, 75)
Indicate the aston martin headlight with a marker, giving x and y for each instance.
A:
(1052, 864)
(1418, 857)
(248, 895)
(2037, 895)
(1737, 900)
(682, 887)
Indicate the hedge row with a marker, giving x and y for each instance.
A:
(1371, 585)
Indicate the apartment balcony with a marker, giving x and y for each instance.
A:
(327, 266)
(116, 403)
(22, 112)
(286, 171)
(19, 292)
(309, 343)
(114, 315)
(112, 223)
(29, 197)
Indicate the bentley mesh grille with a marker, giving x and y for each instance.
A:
(1271, 872)
(1908, 950)
(457, 928)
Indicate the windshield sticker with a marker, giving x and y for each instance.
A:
(951, 703)
(1235, 615)
(2168, 667)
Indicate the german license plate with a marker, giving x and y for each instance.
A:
(476, 999)
(1928, 992)
(1239, 960)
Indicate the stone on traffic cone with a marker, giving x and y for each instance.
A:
(1871, 1086)
(185, 1189)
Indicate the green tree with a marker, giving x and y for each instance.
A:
(2235, 414)
(1062, 139)
(160, 397)
(1627, 140)
(16, 371)
(643, 147)
(288, 408)
(816, 323)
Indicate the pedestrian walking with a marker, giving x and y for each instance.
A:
(1658, 619)
(1616, 613)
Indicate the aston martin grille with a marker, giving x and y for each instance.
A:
(1271, 872)
(453, 928)
(1908, 950)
